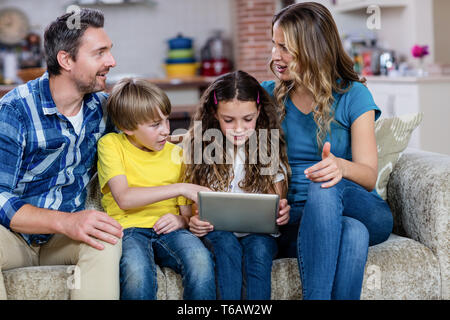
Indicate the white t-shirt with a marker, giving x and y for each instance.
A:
(77, 120)
(239, 174)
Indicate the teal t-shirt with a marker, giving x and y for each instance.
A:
(301, 130)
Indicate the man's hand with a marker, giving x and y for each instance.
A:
(89, 225)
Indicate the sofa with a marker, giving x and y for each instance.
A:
(412, 264)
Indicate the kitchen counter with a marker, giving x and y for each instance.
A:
(426, 79)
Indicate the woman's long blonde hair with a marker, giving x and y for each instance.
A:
(320, 63)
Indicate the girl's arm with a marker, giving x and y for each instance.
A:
(134, 197)
(364, 166)
(284, 208)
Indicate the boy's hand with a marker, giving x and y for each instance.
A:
(199, 227)
(169, 222)
(283, 212)
(190, 190)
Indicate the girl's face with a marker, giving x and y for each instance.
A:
(150, 136)
(237, 119)
(280, 55)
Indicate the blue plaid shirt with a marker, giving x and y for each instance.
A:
(43, 162)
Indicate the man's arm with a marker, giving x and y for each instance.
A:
(25, 218)
(85, 226)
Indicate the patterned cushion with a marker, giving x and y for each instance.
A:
(392, 135)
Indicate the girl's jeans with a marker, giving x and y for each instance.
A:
(179, 250)
(337, 226)
(243, 265)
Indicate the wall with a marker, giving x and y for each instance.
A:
(253, 36)
(441, 11)
(140, 32)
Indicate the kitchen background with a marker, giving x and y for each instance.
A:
(224, 35)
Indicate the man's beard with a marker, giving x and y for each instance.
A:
(91, 87)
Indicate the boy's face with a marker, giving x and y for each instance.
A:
(237, 119)
(93, 61)
(150, 136)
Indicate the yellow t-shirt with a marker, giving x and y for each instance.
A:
(117, 156)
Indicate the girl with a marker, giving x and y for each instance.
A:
(236, 105)
(329, 122)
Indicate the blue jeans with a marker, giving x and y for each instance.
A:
(337, 226)
(179, 250)
(243, 265)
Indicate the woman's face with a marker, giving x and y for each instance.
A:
(280, 55)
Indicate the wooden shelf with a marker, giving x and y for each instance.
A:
(364, 4)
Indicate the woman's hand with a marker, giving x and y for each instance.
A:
(283, 212)
(199, 227)
(330, 169)
(169, 222)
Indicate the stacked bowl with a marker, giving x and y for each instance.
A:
(181, 58)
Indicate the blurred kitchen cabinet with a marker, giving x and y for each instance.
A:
(405, 95)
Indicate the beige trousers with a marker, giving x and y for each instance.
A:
(98, 269)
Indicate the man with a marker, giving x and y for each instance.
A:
(49, 129)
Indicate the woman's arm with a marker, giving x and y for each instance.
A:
(134, 197)
(364, 165)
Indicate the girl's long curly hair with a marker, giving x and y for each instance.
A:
(320, 63)
(218, 176)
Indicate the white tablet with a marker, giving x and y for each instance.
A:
(239, 212)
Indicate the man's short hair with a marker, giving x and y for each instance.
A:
(62, 35)
(135, 101)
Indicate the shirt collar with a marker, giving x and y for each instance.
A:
(49, 106)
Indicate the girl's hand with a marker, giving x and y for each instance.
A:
(329, 169)
(199, 227)
(169, 222)
(190, 190)
(283, 212)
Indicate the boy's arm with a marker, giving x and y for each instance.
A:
(134, 197)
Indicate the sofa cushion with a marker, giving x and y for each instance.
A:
(392, 135)
(52, 283)
(399, 268)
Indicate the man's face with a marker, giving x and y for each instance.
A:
(93, 61)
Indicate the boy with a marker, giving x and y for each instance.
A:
(139, 173)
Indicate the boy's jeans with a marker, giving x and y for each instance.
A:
(243, 265)
(179, 250)
(337, 226)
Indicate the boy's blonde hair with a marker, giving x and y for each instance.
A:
(134, 101)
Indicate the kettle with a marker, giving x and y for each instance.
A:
(215, 55)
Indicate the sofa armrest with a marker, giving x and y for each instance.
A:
(419, 196)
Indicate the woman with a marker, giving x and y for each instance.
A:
(328, 119)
